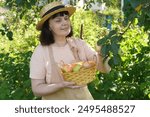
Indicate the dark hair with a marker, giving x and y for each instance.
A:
(46, 36)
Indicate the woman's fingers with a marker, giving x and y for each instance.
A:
(68, 83)
(98, 48)
(74, 87)
(71, 85)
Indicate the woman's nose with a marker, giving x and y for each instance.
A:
(65, 22)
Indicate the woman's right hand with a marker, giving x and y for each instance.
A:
(66, 84)
(40, 88)
(69, 85)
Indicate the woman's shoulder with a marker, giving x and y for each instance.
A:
(40, 53)
(40, 50)
(40, 47)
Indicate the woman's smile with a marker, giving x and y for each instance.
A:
(65, 28)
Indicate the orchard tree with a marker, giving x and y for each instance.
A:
(127, 46)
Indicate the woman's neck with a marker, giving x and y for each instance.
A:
(60, 41)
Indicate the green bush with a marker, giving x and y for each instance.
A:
(15, 55)
(130, 79)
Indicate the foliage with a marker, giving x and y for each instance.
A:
(92, 26)
(130, 78)
(109, 3)
(115, 12)
(112, 3)
(138, 9)
(14, 58)
(14, 84)
(21, 9)
(111, 42)
(127, 45)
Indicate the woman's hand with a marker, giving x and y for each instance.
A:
(40, 88)
(102, 66)
(98, 49)
(70, 85)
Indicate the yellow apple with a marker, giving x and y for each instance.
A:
(76, 66)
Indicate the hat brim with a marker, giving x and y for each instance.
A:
(71, 10)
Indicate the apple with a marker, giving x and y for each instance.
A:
(66, 68)
(76, 66)
(88, 64)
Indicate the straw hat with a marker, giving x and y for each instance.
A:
(51, 9)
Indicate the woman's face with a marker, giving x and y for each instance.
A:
(60, 25)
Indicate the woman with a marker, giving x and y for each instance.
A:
(58, 45)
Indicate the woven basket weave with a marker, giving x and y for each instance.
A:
(82, 77)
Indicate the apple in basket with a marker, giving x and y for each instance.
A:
(76, 66)
(88, 64)
(66, 68)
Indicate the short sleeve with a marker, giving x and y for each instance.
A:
(37, 64)
(89, 51)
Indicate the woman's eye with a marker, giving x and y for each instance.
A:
(66, 18)
(58, 20)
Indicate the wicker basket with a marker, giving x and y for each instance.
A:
(82, 77)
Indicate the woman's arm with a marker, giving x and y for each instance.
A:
(40, 88)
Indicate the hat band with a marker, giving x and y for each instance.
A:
(53, 9)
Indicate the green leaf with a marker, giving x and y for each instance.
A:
(117, 59)
(113, 32)
(148, 13)
(135, 3)
(138, 8)
(115, 48)
(135, 21)
(105, 50)
(116, 38)
(18, 1)
(2, 32)
(10, 35)
(102, 41)
(29, 5)
(149, 95)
